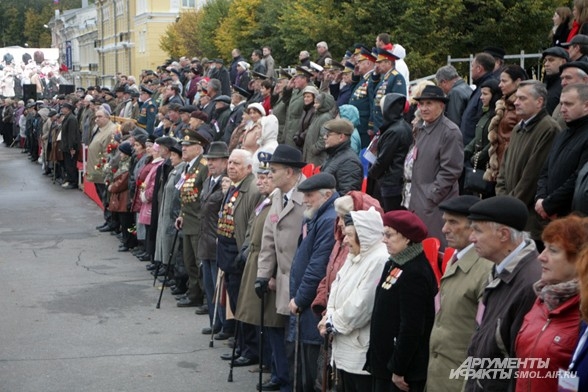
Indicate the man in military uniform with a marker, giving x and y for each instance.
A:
(148, 112)
(193, 144)
(360, 97)
(386, 80)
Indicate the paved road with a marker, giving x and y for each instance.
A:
(76, 315)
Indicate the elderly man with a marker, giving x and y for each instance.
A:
(281, 234)
(210, 203)
(462, 287)
(568, 154)
(527, 151)
(342, 162)
(497, 234)
(386, 80)
(323, 51)
(101, 137)
(435, 160)
(577, 48)
(308, 269)
(189, 221)
(235, 216)
(553, 58)
(457, 91)
(70, 145)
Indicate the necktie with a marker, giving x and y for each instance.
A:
(285, 201)
(212, 184)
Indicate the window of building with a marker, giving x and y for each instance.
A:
(120, 7)
(141, 6)
(188, 3)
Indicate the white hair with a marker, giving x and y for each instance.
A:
(246, 155)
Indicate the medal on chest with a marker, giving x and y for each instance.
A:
(392, 278)
(226, 219)
(189, 192)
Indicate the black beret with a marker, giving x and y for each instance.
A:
(126, 148)
(495, 52)
(556, 51)
(166, 141)
(318, 181)
(506, 210)
(177, 148)
(583, 65)
(459, 205)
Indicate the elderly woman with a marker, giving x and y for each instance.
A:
(403, 313)
(352, 297)
(551, 327)
(254, 129)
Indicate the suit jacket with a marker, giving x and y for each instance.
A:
(210, 204)
(462, 287)
(281, 235)
(190, 196)
(98, 143)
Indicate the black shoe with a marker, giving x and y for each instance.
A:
(102, 226)
(123, 249)
(151, 267)
(244, 361)
(228, 356)
(208, 331)
(269, 385)
(202, 309)
(106, 228)
(179, 290)
(222, 336)
(180, 297)
(144, 257)
(187, 303)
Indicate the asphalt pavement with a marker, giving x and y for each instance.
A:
(77, 315)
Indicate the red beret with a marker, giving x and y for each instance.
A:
(407, 224)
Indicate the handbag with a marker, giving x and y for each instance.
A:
(474, 179)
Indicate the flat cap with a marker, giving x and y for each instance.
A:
(459, 205)
(139, 132)
(583, 65)
(556, 51)
(579, 39)
(339, 125)
(318, 181)
(188, 109)
(506, 210)
(222, 98)
(406, 223)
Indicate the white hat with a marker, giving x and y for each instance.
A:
(244, 64)
(258, 107)
(88, 98)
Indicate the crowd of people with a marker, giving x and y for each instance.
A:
(292, 206)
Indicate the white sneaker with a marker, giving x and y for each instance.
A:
(65, 184)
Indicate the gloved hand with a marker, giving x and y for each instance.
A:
(241, 259)
(261, 287)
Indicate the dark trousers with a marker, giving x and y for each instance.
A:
(247, 335)
(355, 382)
(381, 385)
(101, 190)
(126, 222)
(279, 358)
(392, 203)
(70, 166)
(209, 274)
(307, 366)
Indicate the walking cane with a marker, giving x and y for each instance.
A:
(236, 336)
(325, 362)
(171, 255)
(296, 342)
(261, 339)
(156, 274)
(217, 294)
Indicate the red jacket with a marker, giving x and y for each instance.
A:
(547, 335)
